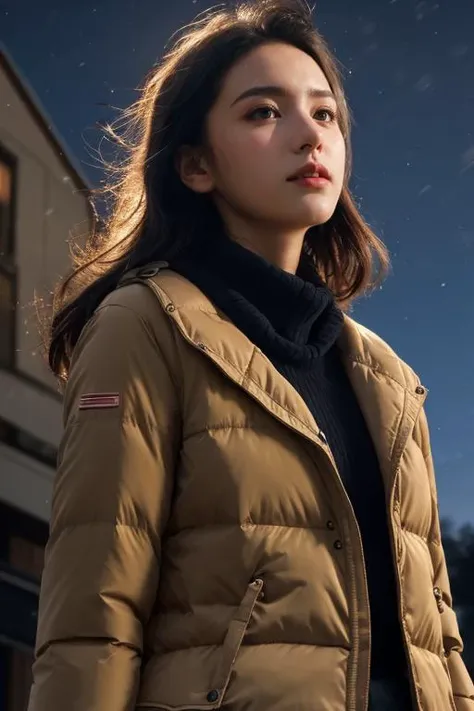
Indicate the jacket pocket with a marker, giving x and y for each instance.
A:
(234, 637)
(213, 697)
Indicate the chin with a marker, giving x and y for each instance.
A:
(313, 210)
(313, 217)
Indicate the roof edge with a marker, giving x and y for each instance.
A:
(42, 118)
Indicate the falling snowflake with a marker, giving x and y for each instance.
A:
(424, 83)
(425, 189)
(467, 159)
(423, 9)
(420, 10)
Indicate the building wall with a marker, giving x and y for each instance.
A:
(51, 208)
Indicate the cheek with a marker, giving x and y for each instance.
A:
(239, 148)
(239, 155)
(339, 155)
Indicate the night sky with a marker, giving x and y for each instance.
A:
(410, 81)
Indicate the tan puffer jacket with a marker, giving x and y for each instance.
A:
(203, 551)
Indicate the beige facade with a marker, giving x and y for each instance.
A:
(43, 202)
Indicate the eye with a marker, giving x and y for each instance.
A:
(326, 115)
(262, 113)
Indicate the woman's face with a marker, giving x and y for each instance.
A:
(275, 115)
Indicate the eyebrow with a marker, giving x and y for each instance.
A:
(280, 91)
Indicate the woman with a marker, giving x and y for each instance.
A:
(245, 513)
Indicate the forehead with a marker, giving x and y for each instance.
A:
(274, 64)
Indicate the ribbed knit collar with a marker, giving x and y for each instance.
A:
(292, 318)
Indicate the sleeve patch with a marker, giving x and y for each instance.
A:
(99, 401)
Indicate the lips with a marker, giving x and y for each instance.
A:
(311, 170)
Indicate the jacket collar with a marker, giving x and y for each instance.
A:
(389, 392)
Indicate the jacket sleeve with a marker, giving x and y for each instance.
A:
(110, 505)
(463, 688)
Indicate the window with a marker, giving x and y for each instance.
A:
(22, 542)
(7, 204)
(7, 258)
(7, 315)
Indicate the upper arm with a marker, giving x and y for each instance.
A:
(113, 486)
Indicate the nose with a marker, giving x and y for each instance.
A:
(309, 135)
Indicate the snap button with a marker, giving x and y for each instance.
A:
(420, 390)
(201, 346)
(322, 437)
(330, 525)
(170, 308)
(439, 599)
(212, 696)
(338, 545)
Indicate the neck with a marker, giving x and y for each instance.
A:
(281, 247)
(284, 255)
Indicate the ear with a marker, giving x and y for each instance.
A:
(194, 169)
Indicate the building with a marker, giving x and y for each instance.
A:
(43, 198)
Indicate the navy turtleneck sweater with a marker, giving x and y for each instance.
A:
(295, 321)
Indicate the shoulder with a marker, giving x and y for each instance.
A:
(128, 325)
(132, 309)
(136, 299)
(377, 352)
(375, 341)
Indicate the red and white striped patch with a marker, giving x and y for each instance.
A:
(99, 401)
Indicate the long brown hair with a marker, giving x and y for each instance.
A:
(153, 215)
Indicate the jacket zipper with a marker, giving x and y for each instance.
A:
(353, 668)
